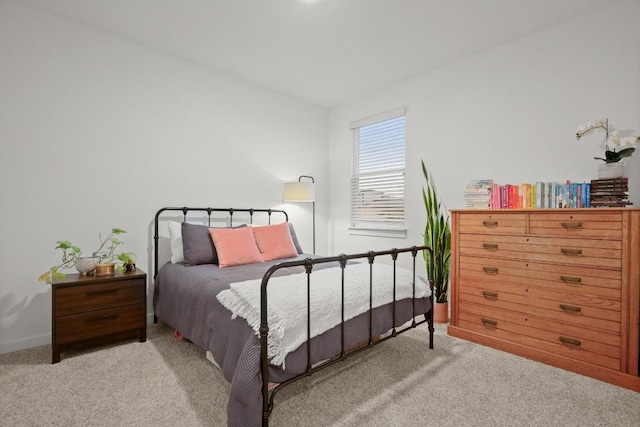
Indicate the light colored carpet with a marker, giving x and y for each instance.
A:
(168, 382)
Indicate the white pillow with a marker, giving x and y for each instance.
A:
(175, 238)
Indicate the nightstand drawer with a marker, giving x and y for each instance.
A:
(92, 324)
(79, 299)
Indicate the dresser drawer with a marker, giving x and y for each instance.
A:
(591, 312)
(602, 349)
(590, 281)
(78, 299)
(75, 327)
(584, 252)
(493, 223)
(607, 225)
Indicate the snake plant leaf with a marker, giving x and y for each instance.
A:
(437, 235)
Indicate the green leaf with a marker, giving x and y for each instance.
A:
(117, 231)
(613, 156)
(64, 244)
(57, 275)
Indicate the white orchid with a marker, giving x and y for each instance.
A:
(615, 148)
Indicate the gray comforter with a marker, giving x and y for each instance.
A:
(185, 299)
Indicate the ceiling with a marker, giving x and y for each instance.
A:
(326, 52)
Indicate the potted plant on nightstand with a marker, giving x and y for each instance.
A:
(106, 252)
(437, 235)
(103, 260)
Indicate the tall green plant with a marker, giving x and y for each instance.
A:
(437, 235)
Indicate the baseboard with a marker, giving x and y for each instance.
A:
(11, 346)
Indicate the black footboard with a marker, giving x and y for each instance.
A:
(268, 394)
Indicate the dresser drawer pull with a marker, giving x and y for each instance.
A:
(490, 223)
(490, 295)
(570, 309)
(101, 318)
(569, 279)
(571, 225)
(489, 323)
(106, 292)
(490, 246)
(571, 252)
(490, 270)
(570, 341)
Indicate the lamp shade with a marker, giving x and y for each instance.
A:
(299, 192)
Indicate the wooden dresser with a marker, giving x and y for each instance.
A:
(560, 286)
(88, 310)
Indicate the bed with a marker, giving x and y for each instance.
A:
(271, 322)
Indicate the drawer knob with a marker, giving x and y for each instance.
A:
(570, 342)
(490, 223)
(490, 295)
(489, 323)
(490, 270)
(570, 309)
(571, 225)
(571, 252)
(490, 246)
(570, 279)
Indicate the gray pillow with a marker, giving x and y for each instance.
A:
(197, 245)
(295, 239)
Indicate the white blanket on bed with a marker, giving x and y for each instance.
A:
(287, 301)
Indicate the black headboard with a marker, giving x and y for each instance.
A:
(229, 211)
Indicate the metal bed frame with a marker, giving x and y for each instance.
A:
(268, 394)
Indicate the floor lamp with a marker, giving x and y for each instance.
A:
(302, 192)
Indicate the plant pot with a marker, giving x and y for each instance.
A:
(441, 312)
(611, 170)
(86, 265)
(107, 269)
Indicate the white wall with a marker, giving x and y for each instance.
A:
(508, 114)
(98, 132)
(174, 133)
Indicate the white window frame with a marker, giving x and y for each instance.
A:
(393, 188)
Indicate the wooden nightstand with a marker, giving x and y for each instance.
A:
(89, 310)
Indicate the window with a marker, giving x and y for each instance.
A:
(377, 177)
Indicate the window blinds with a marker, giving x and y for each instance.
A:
(377, 179)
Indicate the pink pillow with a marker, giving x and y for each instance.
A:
(235, 246)
(274, 241)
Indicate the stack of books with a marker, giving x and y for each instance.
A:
(477, 194)
(612, 192)
(540, 195)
